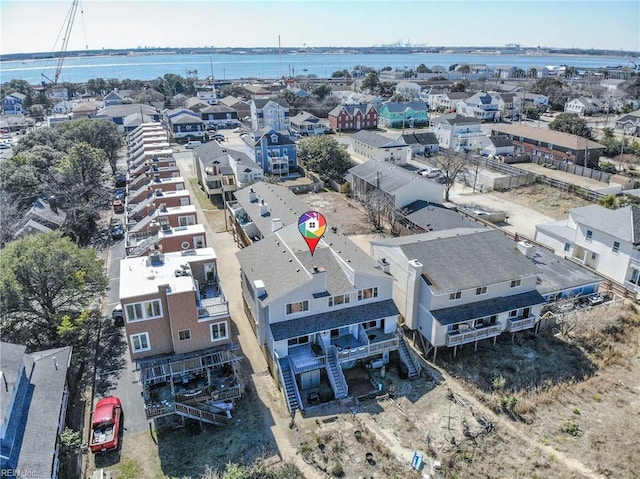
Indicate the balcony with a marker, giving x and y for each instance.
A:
(307, 357)
(468, 134)
(213, 303)
(376, 343)
(470, 335)
(520, 324)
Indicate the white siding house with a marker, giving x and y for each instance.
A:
(607, 241)
(457, 132)
(316, 314)
(462, 285)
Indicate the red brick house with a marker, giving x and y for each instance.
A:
(353, 117)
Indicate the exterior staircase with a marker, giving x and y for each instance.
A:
(407, 360)
(143, 246)
(200, 414)
(336, 376)
(288, 380)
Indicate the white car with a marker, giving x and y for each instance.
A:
(238, 130)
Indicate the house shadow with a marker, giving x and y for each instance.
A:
(186, 447)
(110, 359)
(526, 362)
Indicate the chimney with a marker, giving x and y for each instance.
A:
(259, 288)
(264, 209)
(276, 224)
(53, 204)
(253, 196)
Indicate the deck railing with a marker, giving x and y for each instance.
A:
(470, 335)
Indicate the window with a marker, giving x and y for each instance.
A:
(298, 307)
(186, 220)
(589, 235)
(515, 283)
(340, 299)
(513, 314)
(616, 247)
(481, 290)
(140, 342)
(145, 310)
(478, 323)
(298, 340)
(456, 295)
(219, 331)
(184, 334)
(567, 246)
(368, 293)
(370, 324)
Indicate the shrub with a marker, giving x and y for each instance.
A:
(337, 470)
(498, 383)
(572, 427)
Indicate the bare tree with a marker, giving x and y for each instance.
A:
(454, 166)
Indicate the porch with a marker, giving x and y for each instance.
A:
(212, 302)
(192, 389)
(368, 343)
(468, 334)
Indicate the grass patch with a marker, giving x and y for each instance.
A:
(130, 469)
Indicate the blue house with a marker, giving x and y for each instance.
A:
(12, 104)
(32, 410)
(118, 114)
(401, 114)
(273, 151)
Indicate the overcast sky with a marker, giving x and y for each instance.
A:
(36, 25)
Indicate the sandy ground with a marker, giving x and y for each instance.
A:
(580, 181)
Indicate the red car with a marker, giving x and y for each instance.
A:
(105, 426)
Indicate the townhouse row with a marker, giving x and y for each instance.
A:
(175, 311)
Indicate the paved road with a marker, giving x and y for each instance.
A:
(124, 381)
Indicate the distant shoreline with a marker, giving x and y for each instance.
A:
(498, 51)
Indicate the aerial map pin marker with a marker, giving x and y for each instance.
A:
(312, 226)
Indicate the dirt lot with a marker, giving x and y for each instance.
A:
(544, 199)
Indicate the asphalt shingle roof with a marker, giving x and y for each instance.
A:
(39, 408)
(376, 139)
(455, 260)
(544, 135)
(438, 218)
(623, 223)
(400, 106)
(489, 307)
(332, 319)
(283, 262)
(455, 119)
(391, 178)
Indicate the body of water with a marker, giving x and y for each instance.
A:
(238, 66)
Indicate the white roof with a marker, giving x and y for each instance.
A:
(140, 277)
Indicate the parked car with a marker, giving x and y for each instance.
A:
(105, 425)
(5, 146)
(116, 229)
(121, 179)
(118, 206)
(117, 315)
(192, 144)
(120, 193)
(238, 130)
